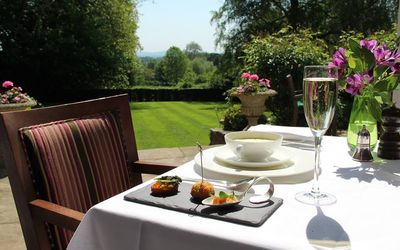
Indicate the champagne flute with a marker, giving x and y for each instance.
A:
(319, 96)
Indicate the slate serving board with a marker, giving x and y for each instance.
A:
(244, 213)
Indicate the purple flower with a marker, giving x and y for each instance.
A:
(339, 61)
(368, 44)
(354, 84)
(367, 78)
(395, 68)
(383, 56)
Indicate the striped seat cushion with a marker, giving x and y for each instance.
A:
(77, 163)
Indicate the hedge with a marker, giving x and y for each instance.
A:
(137, 94)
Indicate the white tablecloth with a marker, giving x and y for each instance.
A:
(366, 215)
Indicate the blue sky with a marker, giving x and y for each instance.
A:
(166, 23)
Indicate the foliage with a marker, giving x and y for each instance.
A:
(187, 80)
(68, 44)
(368, 69)
(388, 37)
(233, 119)
(160, 73)
(176, 69)
(237, 21)
(192, 50)
(218, 81)
(282, 53)
(175, 64)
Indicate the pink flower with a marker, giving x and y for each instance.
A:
(254, 77)
(246, 75)
(264, 82)
(7, 84)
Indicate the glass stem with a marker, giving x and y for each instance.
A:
(315, 188)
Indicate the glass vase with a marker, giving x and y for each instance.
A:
(361, 115)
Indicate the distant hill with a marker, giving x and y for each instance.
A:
(151, 54)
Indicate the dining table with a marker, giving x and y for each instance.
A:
(365, 216)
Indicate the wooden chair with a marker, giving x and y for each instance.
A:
(296, 101)
(61, 160)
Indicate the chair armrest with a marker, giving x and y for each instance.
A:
(151, 167)
(56, 214)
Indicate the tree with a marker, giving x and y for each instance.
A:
(192, 50)
(159, 72)
(53, 45)
(175, 63)
(239, 21)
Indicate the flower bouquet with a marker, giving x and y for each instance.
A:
(369, 71)
(13, 98)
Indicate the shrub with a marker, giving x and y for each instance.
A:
(233, 120)
(285, 52)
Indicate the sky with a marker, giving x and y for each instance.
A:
(166, 23)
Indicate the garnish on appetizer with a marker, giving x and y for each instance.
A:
(223, 198)
(166, 185)
(201, 190)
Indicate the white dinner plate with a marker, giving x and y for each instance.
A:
(296, 170)
(276, 160)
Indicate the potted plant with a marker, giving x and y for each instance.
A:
(252, 93)
(368, 71)
(13, 98)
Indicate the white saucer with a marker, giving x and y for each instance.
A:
(276, 160)
(296, 170)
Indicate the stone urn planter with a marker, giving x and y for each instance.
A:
(17, 106)
(253, 105)
(13, 107)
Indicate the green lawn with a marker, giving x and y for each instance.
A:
(174, 124)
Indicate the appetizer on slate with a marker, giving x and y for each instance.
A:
(201, 190)
(166, 185)
(224, 198)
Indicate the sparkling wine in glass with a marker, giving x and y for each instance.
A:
(319, 96)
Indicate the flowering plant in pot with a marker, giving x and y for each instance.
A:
(252, 93)
(251, 84)
(369, 71)
(13, 98)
